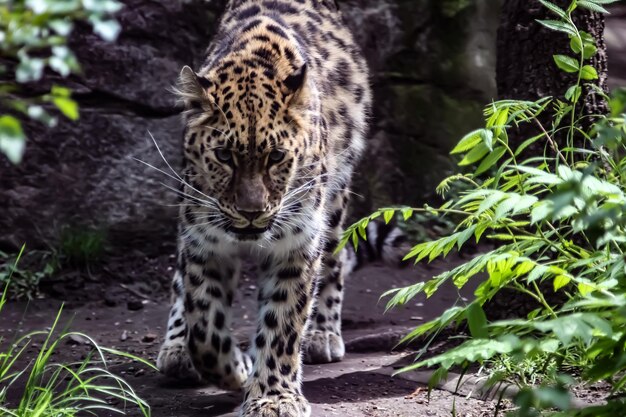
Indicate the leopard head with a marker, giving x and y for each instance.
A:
(248, 136)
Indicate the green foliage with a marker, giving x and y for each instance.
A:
(34, 37)
(425, 226)
(78, 247)
(22, 282)
(81, 246)
(451, 8)
(49, 389)
(560, 220)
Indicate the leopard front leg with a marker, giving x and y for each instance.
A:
(274, 389)
(173, 360)
(324, 343)
(199, 344)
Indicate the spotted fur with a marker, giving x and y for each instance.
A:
(275, 122)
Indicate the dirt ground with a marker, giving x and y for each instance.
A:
(131, 317)
(123, 304)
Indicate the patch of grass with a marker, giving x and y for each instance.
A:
(23, 282)
(77, 247)
(50, 389)
(81, 246)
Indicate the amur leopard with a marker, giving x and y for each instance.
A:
(275, 121)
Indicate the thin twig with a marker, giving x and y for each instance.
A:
(135, 292)
(551, 141)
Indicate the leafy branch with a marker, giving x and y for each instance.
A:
(34, 37)
(559, 222)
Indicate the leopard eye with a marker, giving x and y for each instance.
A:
(224, 155)
(276, 156)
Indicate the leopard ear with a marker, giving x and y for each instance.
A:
(295, 80)
(193, 89)
(294, 83)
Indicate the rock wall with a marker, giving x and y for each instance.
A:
(432, 63)
(432, 76)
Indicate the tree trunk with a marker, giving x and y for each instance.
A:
(525, 68)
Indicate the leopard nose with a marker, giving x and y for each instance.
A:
(250, 215)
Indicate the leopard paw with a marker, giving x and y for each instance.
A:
(282, 405)
(323, 346)
(174, 362)
(234, 374)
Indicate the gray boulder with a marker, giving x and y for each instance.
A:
(432, 65)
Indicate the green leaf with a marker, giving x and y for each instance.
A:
(107, 29)
(343, 242)
(541, 211)
(419, 251)
(490, 160)
(576, 44)
(473, 350)
(102, 6)
(38, 113)
(491, 200)
(589, 50)
(60, 66)
(539, 176)
(501, 119)
(388, 215)
(561, 281)
(524, 203)
(487, 138)
(585, 288)
(480, 229)
(559, 26)
(573, 93)
(362, 230)
(506, 206)
(593, 6)
(67, 106)
(475, 155)
(538, 272)
(587, 38)
(477, 321)
(566, 173)
(588, 73)
(61, 26)
(571, 7)
(527, 143)
(566, 63)
(468, 142)
(494, 198)
(12, 139)
(439, 375)
(464, 236)
(554, 8)
(29, 69)
(355, 240)
(59, 91)
(588, 43)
